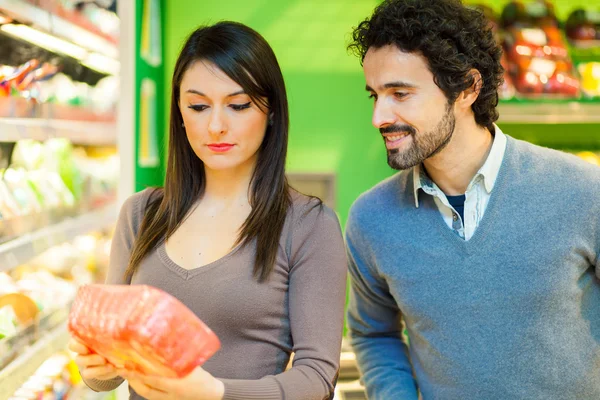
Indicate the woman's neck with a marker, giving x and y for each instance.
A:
(228, 186)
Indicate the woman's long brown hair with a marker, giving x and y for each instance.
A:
(246, 57)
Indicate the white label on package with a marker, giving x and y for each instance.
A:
(541, 66)
(535, 36)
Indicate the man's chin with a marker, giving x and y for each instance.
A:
(398, 166)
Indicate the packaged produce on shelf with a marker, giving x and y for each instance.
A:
(48, 282)
(50, 181)
(58, 378)
(16, 181)
(44, 83)
(46, 290)
(58, 157)
(538, 59)
(96, 12)
(82, 261)
(590, 157)
(101, 171)
(24, 80)
(55, 379)
(507, 89)
(590, 78)
(8, 322)
(8, 205)
(583, 28)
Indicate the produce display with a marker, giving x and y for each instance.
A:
(141, 328)
(545, 58)
(590, 78)
(35, 297)
(50, 93)
(52, 180)
(537, 53)
(98, 16)
(44, 83)
(583, 28)
(56, 379)
(507, 90)
(590, 157)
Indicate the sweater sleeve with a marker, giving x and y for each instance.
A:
(122, 242)
(374, 323)
(317, 292)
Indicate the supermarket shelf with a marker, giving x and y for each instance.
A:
(85, 393)
(549, 113)
(17, 372)
(350, 391)
(20, 250)
(78, 132)
(55, 25)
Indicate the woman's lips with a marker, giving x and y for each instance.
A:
(220, 147)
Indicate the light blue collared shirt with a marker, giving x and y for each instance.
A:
(477, 194)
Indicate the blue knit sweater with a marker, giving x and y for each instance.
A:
(513, 313)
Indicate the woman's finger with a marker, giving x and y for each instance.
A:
(103, 372)
(92, 360)
(77, 347)
(146, 391)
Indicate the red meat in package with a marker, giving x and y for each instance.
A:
(141, 328)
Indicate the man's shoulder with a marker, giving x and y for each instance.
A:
(391, 192)
(560, 167)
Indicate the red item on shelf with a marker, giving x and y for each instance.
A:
(141, 328)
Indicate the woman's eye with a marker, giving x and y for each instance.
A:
(198, 107)
(240, 107)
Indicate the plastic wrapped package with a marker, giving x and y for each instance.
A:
(141, 328)
(538, 58)
(590, 78)
(7, 322)
(583, 28)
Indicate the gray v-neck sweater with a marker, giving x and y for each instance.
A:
(299, 309)
(513, 313)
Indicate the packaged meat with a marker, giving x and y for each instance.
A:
(141, 328)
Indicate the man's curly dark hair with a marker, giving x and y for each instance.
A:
(453, 38)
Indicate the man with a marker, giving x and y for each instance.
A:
(485, 247)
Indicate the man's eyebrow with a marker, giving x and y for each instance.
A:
(393, 85)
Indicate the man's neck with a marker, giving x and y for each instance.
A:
(455, 166)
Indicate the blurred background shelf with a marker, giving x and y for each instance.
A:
(85, 393)
(17, 372)
(573, 112)
(61, 26)
(25, 247)
(78, 132)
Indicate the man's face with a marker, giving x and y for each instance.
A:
(411, 112)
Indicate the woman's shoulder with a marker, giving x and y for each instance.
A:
(132, 210)
(308, 212)
(313, 228)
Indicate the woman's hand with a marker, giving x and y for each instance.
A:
(91, 366)
(198, 385)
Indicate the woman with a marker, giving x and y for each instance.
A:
(260, 264)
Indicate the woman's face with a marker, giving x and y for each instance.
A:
(223, 125)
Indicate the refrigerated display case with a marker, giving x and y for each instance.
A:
(59, 170)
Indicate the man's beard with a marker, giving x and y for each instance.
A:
(424, 145)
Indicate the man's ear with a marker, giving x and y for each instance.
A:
(470, 94)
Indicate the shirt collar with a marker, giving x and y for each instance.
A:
(488, 171)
